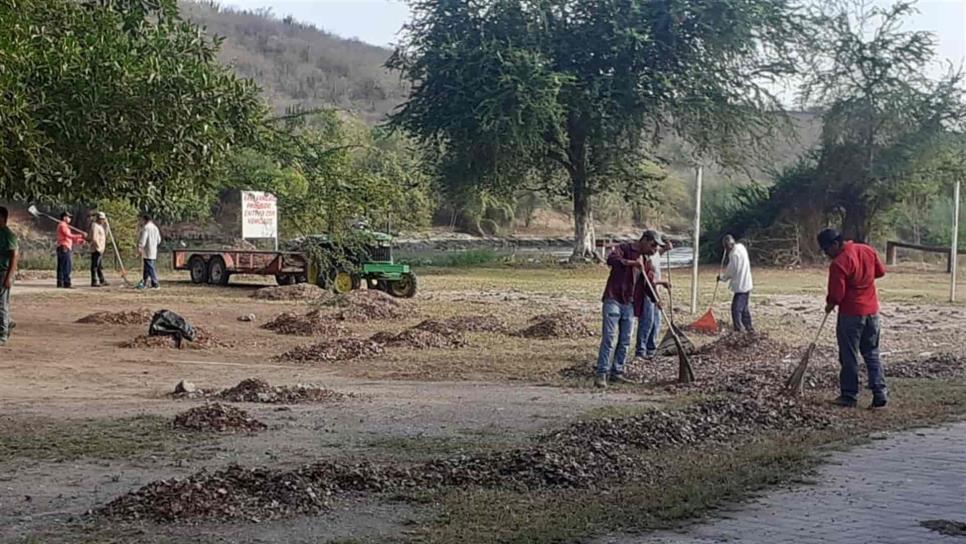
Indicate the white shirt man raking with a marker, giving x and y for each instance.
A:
(738, 276)
(148, 243)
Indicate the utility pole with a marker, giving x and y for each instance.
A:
(696, 236)
(954, 250)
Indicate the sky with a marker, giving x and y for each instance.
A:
(378, 21)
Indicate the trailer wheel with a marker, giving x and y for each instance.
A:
(404, 287)
(198, 269)
(217, 271)
(285, 279)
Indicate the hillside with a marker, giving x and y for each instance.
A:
(297, 64)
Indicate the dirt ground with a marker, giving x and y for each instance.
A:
(85, 420)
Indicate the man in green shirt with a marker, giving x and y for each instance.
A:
(8, 268)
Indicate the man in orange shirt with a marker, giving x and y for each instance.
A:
(851, 288)
(65, 248)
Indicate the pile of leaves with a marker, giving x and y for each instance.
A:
(257, 390)
(342, 349)
(584, 454)
(749, 363)
(935, 367)
(314, 323)
(297, 292)
(141, 316)
(204, 339)
(469, 323)
(218, 418)
(558, 325)
(417, 338)
(366, 305)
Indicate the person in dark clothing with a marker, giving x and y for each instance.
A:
(627, 262)
(851, 288)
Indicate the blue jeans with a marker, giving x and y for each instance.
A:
(740, 315)
(4, 311)
(64, 264)
(859, 335)
(618, 325)
(648, 327)
(150, 274)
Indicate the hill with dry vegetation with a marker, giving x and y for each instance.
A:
(297, 64)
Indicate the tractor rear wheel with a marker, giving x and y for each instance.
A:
(342, 282)
(198, 269)
(404, 287)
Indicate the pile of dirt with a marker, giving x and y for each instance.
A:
(417, 338)
(297, 292)
(342, 349)
(584, 454)
(558, 325)
(218, 418)
(204, 339)
(314, 323)
(942, 366)
(141, 316)
(468, 323)
(367, 305)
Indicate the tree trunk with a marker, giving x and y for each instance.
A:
(584, 236)
(585, 239)
(855, 224)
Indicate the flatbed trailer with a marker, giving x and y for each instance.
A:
(216, 266)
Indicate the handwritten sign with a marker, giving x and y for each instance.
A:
(259, 215)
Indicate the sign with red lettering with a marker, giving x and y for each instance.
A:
(259, 215)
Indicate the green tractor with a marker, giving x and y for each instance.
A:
(372, 263)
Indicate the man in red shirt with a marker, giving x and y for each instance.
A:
(851, 288)
(65, 247)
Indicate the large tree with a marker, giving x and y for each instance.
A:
(114, 99)
(520, 90)
(891, 131)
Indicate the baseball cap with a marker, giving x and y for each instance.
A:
(101, 215)
(828, 237)
(651, 234)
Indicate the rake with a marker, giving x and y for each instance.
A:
(39, 214)
(707, 322)
(668, 344)
(685, 371)
(795, 384)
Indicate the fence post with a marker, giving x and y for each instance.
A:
(891, 253)
(954, 249)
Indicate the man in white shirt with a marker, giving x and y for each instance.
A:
(148, 243)
(738, 274)
(97, 236)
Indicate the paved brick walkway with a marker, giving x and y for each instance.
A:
(875, 494)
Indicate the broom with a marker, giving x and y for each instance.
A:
(685, 371)
(795, 384)
(707, 322)
(117, 255)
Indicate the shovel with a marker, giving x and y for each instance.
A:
(707, 322)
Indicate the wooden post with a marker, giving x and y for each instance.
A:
(954, 250)
(892, 254)
(696, 236)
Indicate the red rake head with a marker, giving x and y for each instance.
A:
(706, 323)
